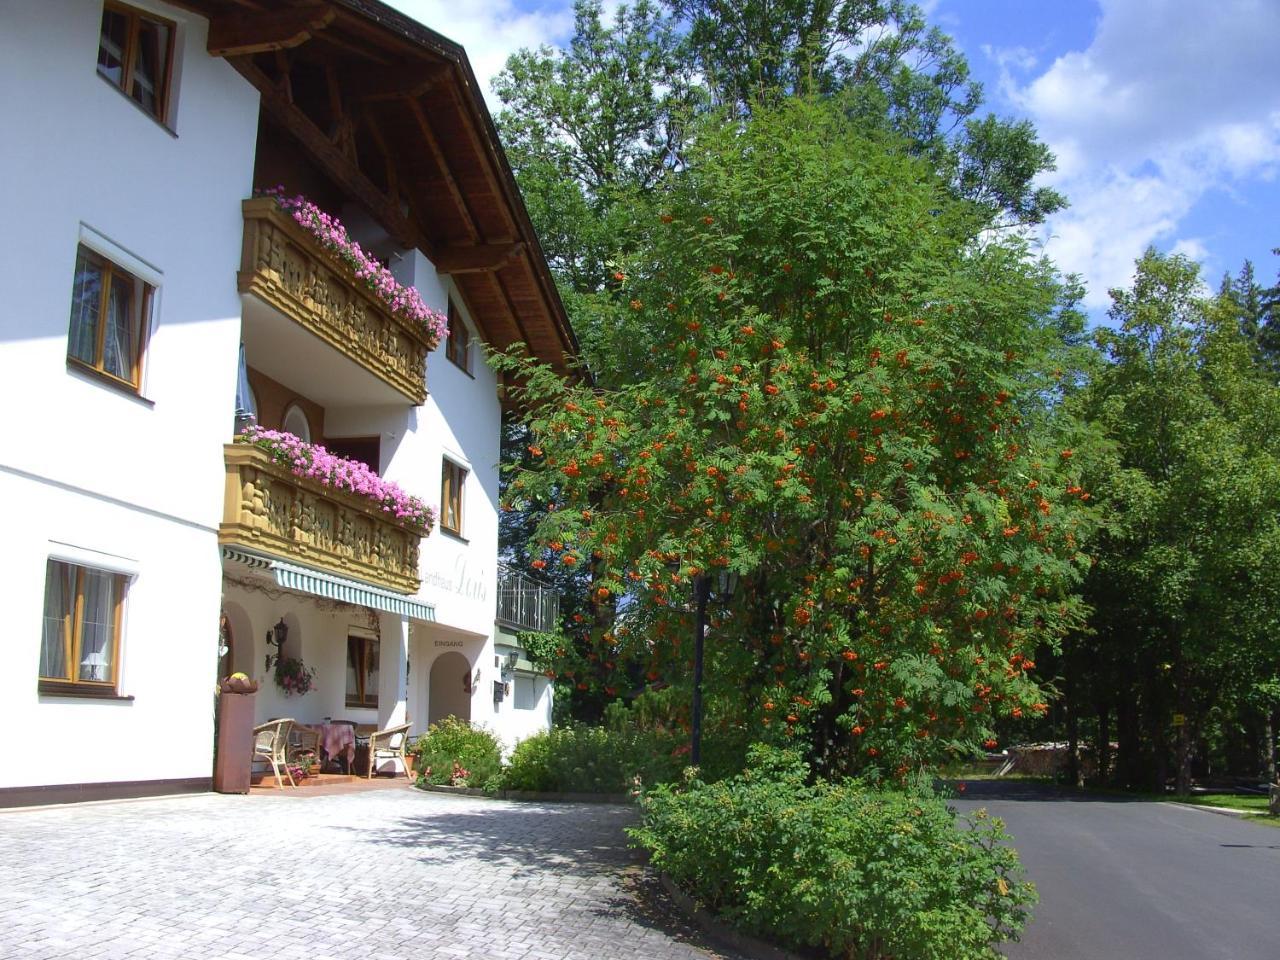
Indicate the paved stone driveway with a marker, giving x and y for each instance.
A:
(385, 874)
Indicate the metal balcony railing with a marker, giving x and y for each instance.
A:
(525, 604)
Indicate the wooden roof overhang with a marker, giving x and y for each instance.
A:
(391, 113)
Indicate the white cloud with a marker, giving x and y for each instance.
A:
(1170, 101)
(1192, 247)
(492, 30)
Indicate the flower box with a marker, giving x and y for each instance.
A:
(382, 328)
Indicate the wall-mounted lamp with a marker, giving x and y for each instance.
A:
(276, 637)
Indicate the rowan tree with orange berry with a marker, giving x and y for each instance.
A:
(832, 380)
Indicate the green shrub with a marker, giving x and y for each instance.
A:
(582, 759)
(454, 752)
(860, 871)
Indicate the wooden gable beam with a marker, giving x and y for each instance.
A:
(482, 258)
(330, 157)
(394, 83)
(242, 34)
(437, 154)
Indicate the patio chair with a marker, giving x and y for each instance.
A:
(388, 744)
(271, 743)
(303, 740)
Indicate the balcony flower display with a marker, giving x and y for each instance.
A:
(404, 302)
(316, 463)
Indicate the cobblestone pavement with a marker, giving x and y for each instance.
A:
(382, 875)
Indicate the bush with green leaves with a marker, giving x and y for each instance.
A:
(582, 759)
(855, 869)
(455, 753)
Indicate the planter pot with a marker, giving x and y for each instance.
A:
(231, 770)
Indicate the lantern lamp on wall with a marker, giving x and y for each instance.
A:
(276, 637)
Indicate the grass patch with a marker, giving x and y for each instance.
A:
(1232, 801)
(1255, 805)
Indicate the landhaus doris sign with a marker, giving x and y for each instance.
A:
(461, 581)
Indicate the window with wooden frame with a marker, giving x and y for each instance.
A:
(80, 644)
(451, 483)
(135, 55)
(458, 346)
(110, 319)
(362, 672)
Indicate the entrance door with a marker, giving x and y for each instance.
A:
(450, 694)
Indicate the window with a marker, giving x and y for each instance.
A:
(458, 347)
(362, 672)
(135, 54)
(80, 645)
(451, 484)
(296, 422)
(526, 693)
(110, 319)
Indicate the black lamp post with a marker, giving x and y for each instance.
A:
(728, 583)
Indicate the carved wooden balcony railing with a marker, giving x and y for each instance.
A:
(269, 510)
(283, 265)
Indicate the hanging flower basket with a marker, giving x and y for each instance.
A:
(294, 677)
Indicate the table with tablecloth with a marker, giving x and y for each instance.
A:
(337, 739)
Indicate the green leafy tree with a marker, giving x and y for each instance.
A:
(1257, 311)
(1184, 588)
(839, 392)
(890, 69)
(588, 127)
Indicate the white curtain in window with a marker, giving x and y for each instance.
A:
(149, 64)
(86, 293)
(117, 356)
(111, 44)
(371, 677)
(353, 668)
(98, 625)
(246, 405)
(59, 596)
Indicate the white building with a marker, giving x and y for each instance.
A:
(149, 296)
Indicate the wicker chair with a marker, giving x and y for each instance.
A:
(271, 743)
(303, 740)
(388, 744)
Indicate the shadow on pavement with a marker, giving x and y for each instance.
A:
(560, 838)
(1034, 790)
(556, 839)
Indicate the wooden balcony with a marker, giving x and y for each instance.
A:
(285, 267)
(268, 510)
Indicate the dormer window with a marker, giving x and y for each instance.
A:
(135, 54)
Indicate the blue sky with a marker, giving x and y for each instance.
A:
(1164, 114)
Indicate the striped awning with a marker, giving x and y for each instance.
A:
(301, 579)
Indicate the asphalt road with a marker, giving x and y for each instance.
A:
(1138, 880)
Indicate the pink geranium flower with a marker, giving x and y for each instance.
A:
(404, 302)
(316, 463)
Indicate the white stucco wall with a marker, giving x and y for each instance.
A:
(141, 478)
(461, 420)
(83, 462)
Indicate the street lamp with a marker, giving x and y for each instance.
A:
(727, 582)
